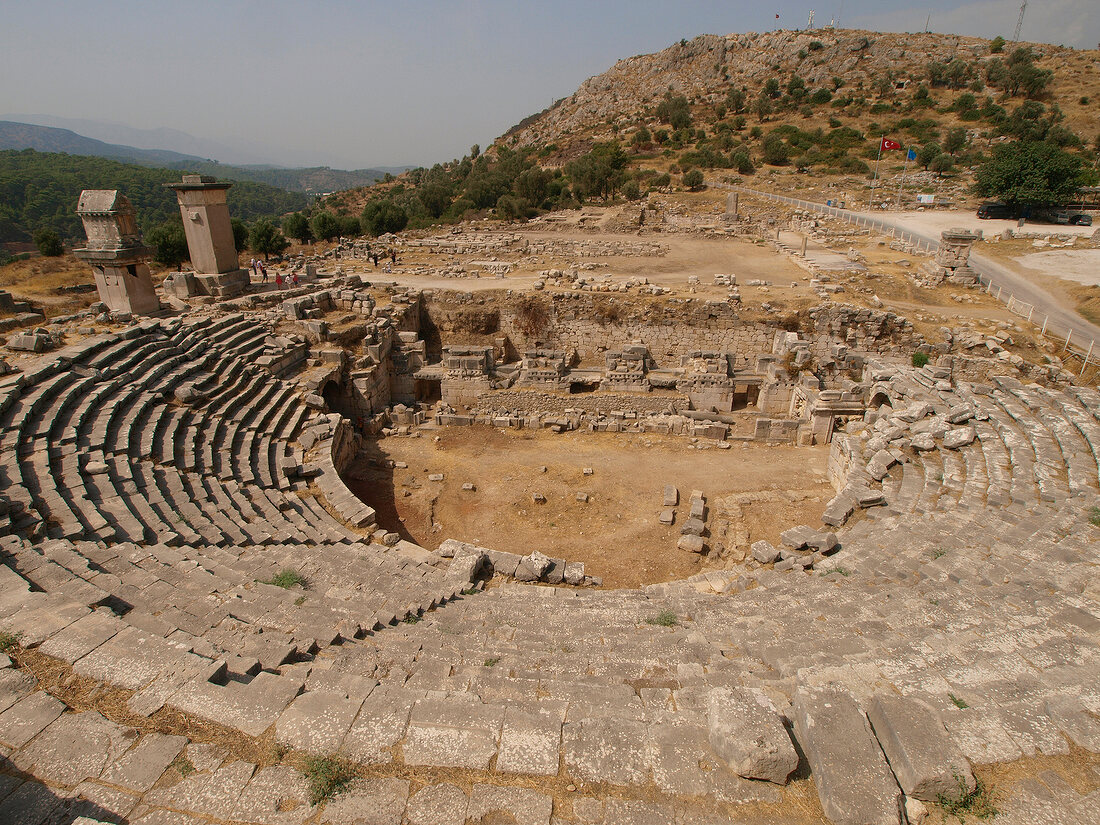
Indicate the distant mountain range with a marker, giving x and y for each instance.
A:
(314, 180)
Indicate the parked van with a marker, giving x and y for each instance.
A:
(994, 209)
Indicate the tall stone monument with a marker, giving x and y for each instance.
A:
(210, 243)
(952, 263)
(116, 252)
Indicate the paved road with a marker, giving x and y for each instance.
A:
(1061, 318)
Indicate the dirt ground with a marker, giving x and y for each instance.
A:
(753, 492)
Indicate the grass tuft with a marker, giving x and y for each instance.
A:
(288, 578)
(1094, 516)
(327, 776)
(491, 662)
(666, 618)
(8, 641)
(184, 765)
(977, 803)
(959, 703)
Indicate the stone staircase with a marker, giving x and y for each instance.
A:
(150, 508)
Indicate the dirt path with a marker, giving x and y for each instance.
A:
(753, 492)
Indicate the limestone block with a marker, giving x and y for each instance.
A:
(854, 783)
(764, 552)
(747, 732)
(961, 437)
(692, 544)
(925, 761)
(923, 442)
(693, 527)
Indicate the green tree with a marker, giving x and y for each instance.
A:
(266, 239)
(955, 140)
(531, 185)
(775, 151)
(693, 180)
(1030, 173)
(742, 162)
(383, 216)
(350, 227)
(735, 100)
(771, 88)
(928, 153)
(324, 226)
(49, 243)
(297, 227)
(169, 242)
(763, 107)
(240, 234)
(675, 111)
(941, 164)
(997, 45)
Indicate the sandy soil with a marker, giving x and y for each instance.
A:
(753, 492)
(1080, 265)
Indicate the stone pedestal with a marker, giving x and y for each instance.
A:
(205, 213)
(116, 252)
(952, 263)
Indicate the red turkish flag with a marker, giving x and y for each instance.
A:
(888, 144)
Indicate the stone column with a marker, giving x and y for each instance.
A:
(205, 214)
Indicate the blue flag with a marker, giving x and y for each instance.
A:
(911, 154)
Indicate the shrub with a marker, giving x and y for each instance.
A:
(997, 45)
(666, 618)
(49, 243)
(1094, 520)
(920, 359)
(977, 803)
(693, 179)
(10, 640)
(327, 776)
(288, 578)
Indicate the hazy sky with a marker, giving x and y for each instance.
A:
(354, 84)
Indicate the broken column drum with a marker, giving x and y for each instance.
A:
(116, 252)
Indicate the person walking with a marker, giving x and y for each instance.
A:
(278, 280)
(263, 271)
(294, 278)
(393, 256)
(253, 266)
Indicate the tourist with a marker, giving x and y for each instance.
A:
(393, 256)
(253, 265)
(374, 257)
(294, 278)
(278, 280)
(263, 270)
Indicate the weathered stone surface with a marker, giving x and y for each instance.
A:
(453, 733)
(375, 801)
(746, 731)
(923, 442)
(763, 552)
(606, 750)
(691, 544)
(437, 805)
(531, 740)
(924, 760)
(693, 527)
(667, 516)
(28, 717)
(75, 747)
(141, 766)
(522, 806)
(672, 496)
(317, 721)
(275, 795)
(798, 537)
(961, 437)
(854, 783)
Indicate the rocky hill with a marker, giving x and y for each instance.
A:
(705, 68)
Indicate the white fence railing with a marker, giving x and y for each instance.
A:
(1077, 344)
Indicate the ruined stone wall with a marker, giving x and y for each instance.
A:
(533, 400)
(593, 324)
